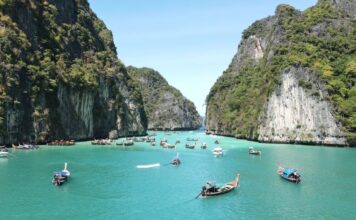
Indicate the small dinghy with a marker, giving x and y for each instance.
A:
(146, 166)
(61, 177)
(289, 174)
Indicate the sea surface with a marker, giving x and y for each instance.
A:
(106, 184)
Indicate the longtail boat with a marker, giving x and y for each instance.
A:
(167, 145)
(61, 177)
(190, 146)
(4, 153)
(128, 143)
(25, 146)
(212, 189)
(289, 174)
(218, 151)
(176, 161)
(253, 151)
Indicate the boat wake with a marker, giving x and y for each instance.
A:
(146, 166)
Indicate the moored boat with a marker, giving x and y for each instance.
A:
(120, 143)
(218, 151)
(289, 174)
(25, 146)
(254, 152)
(190, 146)
(163, 142)
(170, 146)
(101, 142)
(4, 153)
(61, 177)
(128, 143)
(212, 189)
(62, 142)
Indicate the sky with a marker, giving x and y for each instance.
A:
(190, 42)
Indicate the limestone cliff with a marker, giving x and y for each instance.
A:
(292, 79)
(165, 106)
(60, 77)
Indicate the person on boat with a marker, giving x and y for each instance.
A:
(210, 187)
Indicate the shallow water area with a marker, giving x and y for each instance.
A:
(106, 184)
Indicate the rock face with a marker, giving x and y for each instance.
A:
(292, 79)
(165, 106)
(294, 114)
(60, 77)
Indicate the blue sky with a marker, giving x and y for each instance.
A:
(190, 42)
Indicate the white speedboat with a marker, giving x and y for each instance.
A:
(218, 151)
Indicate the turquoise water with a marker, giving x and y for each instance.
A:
(106, 184)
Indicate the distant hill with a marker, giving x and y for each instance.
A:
(165, 106)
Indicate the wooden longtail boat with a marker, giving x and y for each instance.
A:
(61, 177)
(253, 151)
(190, 146)
(218, 151)
(176, 161)
(128, 143)
(289, 174)
(212, 189)
(4, 153)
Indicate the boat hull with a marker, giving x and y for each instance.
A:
(293, 180)
(218, 193)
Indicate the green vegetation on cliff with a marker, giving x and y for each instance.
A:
(45, 44)
(165, 106)
(322, 39)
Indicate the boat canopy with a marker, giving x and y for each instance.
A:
(289, 171)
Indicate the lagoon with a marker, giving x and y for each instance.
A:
(106, 184)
